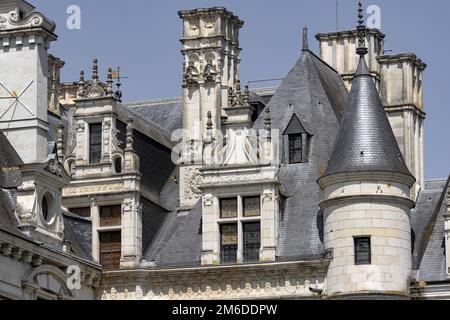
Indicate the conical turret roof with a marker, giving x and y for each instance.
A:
(365, 140)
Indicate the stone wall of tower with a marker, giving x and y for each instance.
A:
(375, 206)
(338, 48)
(400, 82)
(24, 91)
(210, 46)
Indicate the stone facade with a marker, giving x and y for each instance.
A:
(169, 196)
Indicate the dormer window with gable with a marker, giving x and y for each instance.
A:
(296, 141)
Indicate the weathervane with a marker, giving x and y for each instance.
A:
(116, 75)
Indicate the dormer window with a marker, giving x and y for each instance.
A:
(295, 148)
(296, 141)
(95, 143)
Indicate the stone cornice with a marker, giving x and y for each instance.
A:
(366, 176)
(117, 276)
(196, 13)
(405, 106)
(409, 56)
(346, 33)
(26, 250)
(368, 197)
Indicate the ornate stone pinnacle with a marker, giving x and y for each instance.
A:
(209, 123)
(267, 123)
(129, 135)
(95, 70)
(238, 88)
(267, 120)
(246, 97)
(60, 143)
(80, 92)
(109, 87)
(305, 39)
(362, 32)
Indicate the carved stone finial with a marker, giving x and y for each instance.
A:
(305, 39)
(230, 96)
(209, 123)
(267, 124)
(129, 139)
(267, 120)
(60, 143)
(81, 83)
(238, 88)
(109, 83)
(246, 97)
(95, 70)
(362, 32)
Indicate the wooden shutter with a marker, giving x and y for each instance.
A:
(110, 216)
(110, 249)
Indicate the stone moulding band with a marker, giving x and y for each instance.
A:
(373, 198)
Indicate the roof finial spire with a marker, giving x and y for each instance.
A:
(362, 32)
(305, 39)
(95, 70)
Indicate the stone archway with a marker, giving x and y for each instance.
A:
(46, 283)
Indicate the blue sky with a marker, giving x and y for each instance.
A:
(142, 37)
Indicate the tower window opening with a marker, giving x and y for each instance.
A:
(363, 251)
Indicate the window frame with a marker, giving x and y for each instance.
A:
(359, 261)
(240, 220)
(298, 150)
(223, 225)
(246, 258)
(96, 159)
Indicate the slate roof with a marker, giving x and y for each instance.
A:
(365, 141)
(78, 231)
(10, 161)
(427, 221)
(315, 93)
